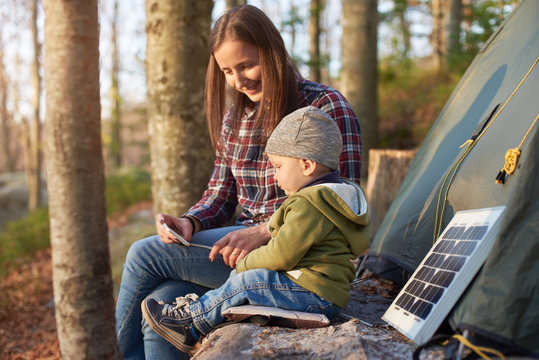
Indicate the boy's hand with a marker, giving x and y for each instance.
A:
(235, 245)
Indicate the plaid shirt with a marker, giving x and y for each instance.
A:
(245, 175)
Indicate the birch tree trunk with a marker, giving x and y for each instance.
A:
(177, 55)
(82, 279)
(359, 68)
(34, 171)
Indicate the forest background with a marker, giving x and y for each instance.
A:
(397, 62)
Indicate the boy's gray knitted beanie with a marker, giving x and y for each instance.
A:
(307, 133)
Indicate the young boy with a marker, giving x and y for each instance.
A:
(315, 233)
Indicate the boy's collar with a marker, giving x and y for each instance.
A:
(331, 177)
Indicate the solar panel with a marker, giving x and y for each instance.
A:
(443, 275)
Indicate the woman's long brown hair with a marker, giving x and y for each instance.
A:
(279, 74)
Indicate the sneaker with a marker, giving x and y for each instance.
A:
(173, 321)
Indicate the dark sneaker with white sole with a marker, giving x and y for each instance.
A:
(172, 321)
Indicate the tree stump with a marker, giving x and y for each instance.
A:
(387, 169)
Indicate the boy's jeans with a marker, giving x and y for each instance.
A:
(163, 272)
(257, 287)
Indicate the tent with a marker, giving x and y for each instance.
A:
(493, 108)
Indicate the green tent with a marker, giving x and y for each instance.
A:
(495, 105)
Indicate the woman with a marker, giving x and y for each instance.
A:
(248, 55)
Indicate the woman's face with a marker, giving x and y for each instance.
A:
(240, 64)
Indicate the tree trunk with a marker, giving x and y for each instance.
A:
(177, 54)
(115, 117)
(82, 279)
(315, 65)
(34, 171)
(294, 20)
(9, 163)
(400, 9)
(387, 169)
(233, 3)
(437, 35)
(452, 24)
(359, 67)
(24, 127)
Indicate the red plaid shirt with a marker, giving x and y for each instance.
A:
(245, 175)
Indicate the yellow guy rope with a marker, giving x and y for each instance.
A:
(479, 350)
(456, 165)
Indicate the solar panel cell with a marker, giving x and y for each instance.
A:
(443, 278)
(432, 293)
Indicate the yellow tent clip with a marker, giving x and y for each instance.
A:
(511, 158)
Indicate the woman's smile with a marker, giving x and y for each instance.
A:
(240, 64)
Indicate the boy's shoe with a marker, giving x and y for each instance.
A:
(172, 321)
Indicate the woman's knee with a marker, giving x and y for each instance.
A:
(140, 250)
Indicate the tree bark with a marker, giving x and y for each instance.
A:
(452, 25)
(115, 117)
(437, 35)
(401, 7)
(9, 163)
(177, 54)
(387, 169)
(24, 138)
(34, 171)
(315, 64)
(233, 3)
(82, 279)
(359, 67)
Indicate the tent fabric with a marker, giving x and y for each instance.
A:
(503, 302)
(500, 83)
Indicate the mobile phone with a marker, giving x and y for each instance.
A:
(176, 235)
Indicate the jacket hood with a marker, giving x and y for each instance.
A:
(346, 206)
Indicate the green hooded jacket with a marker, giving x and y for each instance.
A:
(314, 235)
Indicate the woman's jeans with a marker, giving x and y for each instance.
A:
(261, 287)
(163, 272)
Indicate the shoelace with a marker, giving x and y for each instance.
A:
(180, 308)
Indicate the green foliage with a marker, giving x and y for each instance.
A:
(126, 187)
(482, 19)
(23, 237)
(410, 99)
(411, 91)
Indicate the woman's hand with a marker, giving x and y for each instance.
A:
(181, 225)
(235, 245)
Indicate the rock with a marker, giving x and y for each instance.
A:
(349, 339)
(14, 197)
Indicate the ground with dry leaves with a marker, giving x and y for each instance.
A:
(27, 324)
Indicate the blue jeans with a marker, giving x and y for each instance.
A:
(163, 272)
(261, 287)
